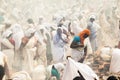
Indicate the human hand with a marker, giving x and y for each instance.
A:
(81, 45)
(66, 40)
(25, 40)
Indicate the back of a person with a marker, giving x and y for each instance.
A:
(114, 65)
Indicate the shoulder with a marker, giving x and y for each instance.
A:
(76, 38)
(97, 25)
(59, 29)
(3, 56)
(90, 23)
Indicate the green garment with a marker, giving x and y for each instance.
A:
(55, 73)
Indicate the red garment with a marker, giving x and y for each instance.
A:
(12, 41)
(81, 34)
(25, 40)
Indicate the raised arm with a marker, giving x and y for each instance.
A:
(59, 32)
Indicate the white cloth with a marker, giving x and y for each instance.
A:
(10, 56)
(105, 53)
(21, 75)
(71, 71)
(92, 16)
(2, 58)
(58, 66)
(18, 34)
(93, 27)
(58, 53)
(41, 36)
(29, 31)
(115, 61)
(41, 48)
(7, 43)
(6, 33)
(76, 27)
(58, 49)
(78, 53)
(39, 73)
(29, 52)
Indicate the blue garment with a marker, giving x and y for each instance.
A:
(56, 39)
(76, 39)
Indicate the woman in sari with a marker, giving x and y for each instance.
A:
(79, 49)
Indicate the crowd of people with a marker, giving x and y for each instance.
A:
(40, 46)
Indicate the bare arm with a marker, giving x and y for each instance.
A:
(85, 51)
(37, 51)
(88, 26)
(59, 31)
(75, 45)
(69, 29)
(66, 33)
(6, 68)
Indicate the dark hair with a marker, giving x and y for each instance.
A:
(30, 21)
(10, 35)
(112, 78)
(2, 72)
(53, 66)
(60, 25)
(77, 78)
(80, 77)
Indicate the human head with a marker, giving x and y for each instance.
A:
(92, 18)
(84, 34)
(7, 25)
(30, 21)
(61, 21)
(2, 72)
(41, 20)
(29, 32)
(59, 31)
(112, 78)
(53, 67)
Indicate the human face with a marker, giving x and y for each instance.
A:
(85, 36)
(92, 19)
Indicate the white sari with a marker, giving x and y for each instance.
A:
(58, 49)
